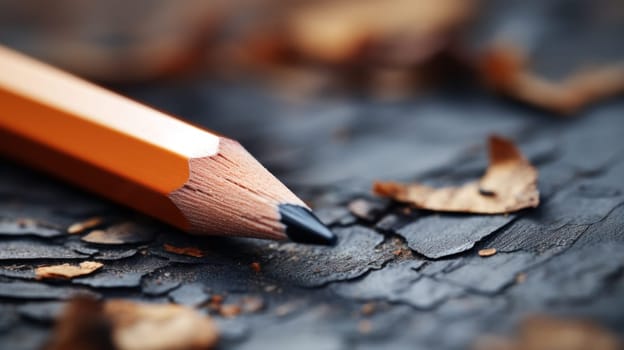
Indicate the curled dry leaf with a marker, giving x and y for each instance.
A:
(509, 184)
(190, 251)
(67, 270)
(505, 69)
(125, 325)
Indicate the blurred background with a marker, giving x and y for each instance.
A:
(345, 77)
(382, 48)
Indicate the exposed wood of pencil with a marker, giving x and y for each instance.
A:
(135, 155)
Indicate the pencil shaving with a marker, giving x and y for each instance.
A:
(82, 226)
(67, 271)
(189, 251)
(122, 233)
(487, 252)
(509, 184)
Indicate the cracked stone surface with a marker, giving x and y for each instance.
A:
(399, 278)
(439, 235)
(358, 251)
(387, 283)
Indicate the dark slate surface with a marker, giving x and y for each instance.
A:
(25, 249)
(418, 273)
(440, 235)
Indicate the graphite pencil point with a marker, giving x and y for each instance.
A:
(302, 226)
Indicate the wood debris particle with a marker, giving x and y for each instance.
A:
(82, 226)
(255, 266)
(229, 310)
(190, 251)
(217, 298)
(505, 69)
(509, 184)
(250, 304)
(365, 209)
(547, 333)
(487, 252)
(521, 278)
(368, 309)
(67, 271)
(215, 302)
(126, 325)
(122, 233)
(285, 309)
(25, 222)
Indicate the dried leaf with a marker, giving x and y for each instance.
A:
(67, 270)
(508, 185)
(505, 69)
(82, 226)
(190, 251)
(125, 325)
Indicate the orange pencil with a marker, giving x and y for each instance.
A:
(183, 175)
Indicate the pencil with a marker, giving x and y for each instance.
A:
(183, 175)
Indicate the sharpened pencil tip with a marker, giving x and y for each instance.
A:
(302, 226)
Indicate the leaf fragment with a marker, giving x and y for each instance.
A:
(509, 184)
